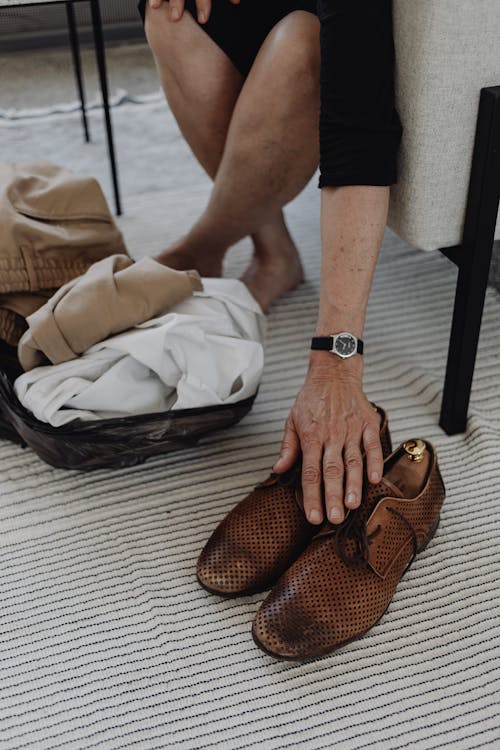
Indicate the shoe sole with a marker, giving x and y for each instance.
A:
(320, 654)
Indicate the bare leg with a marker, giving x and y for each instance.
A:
(200, 83)
(271, 149)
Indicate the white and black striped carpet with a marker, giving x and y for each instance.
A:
(108, 642)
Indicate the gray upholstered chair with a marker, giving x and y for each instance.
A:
(448, 95)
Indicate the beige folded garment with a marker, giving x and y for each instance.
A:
(55, 224)
(113, 295)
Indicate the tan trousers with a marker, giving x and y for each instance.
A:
(54, 226)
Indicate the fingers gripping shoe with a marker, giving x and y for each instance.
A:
(263, 535)
(344, 581)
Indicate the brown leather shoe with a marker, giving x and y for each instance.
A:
(344, 581)
(263, 535)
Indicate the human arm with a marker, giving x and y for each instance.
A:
(332, 420)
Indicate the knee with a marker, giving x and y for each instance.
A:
(157, 27)
(297, 46)
(151, 26)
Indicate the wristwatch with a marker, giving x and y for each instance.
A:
(343, 344)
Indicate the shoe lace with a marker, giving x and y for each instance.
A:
(353, 530)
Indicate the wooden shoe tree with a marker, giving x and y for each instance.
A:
(410, 469)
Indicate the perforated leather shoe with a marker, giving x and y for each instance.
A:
(263, 535)
(344, 581)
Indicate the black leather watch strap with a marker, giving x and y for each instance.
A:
(325, 343)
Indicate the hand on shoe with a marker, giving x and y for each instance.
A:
(330, 422)
(176, 8)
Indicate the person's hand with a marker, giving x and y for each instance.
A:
(176, 8)
(329, 422)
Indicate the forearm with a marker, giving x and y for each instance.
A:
(353, 220)
(359, 136)
(332, 421)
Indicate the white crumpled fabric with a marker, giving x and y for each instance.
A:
(205, 351)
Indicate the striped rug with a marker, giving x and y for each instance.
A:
(108, 642)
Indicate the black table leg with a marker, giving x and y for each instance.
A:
(77, 64)
(101, 65)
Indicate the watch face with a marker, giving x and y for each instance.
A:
(345, 345)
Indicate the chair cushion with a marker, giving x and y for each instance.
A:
(446, 51)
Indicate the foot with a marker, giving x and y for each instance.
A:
(273, 271)
(268, 280)
(181, 258)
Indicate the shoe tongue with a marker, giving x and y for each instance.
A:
(389, 488)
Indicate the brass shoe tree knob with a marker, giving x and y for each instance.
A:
(415, 449)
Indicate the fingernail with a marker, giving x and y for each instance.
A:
(335, 515)
(201, 16)
(314, 516)
(375, 476)
(174, 14)
(351, 499)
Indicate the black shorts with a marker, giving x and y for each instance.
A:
(360, 128)
(240, 30)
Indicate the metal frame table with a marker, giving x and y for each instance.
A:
(101, 66)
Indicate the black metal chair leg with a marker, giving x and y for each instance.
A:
(474, 263)
(101, 65)
(77, 64)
